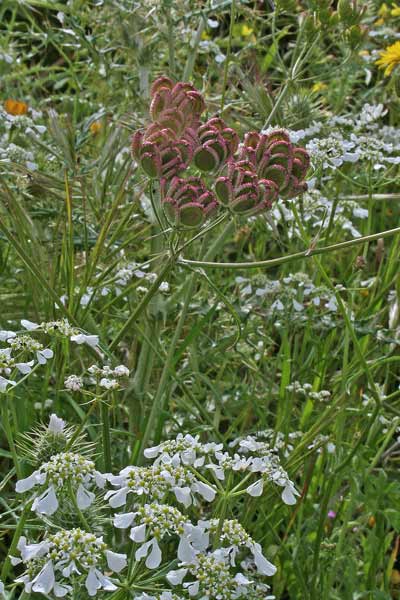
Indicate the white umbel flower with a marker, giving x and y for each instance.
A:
(52, 565)
(60, 472)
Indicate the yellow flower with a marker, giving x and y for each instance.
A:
(395, 12)
(384, 11)
(389, 58)
(246, 31)
(319, 87)
(16, 108)
(95, 127)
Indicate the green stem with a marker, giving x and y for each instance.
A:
(157, 406)
(10, 438)
(143, 304)
(266, 264)
(228, 56)
(158, 400)
(105, 424)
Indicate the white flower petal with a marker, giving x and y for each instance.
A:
(26, 484)
(6, 335)
(99, 479)
(183, 495)
(44, 580)
(154, 558)
(105, 582)
(30, 551)
(29, 325)
(193, 588)
(56, 425)
(263, 565)
(4, 383)
(81, 338)
(118, 498)
(61, 590)
(186, 553)
(46, 503)
(138, 534)
(84, 498)
(152, 452)
(92, 583)
(241, 579)
(43, 355)
(255, 489)
(115, 561)
(143, 550)
(25, 368)
(176, 577)
(123, 520)
(288, 494)
(205, 490)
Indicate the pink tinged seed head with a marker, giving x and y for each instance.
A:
(187, 202)
(136, 144)
(160, 83)
(301, 162)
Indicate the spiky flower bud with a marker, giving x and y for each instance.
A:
(187, 202)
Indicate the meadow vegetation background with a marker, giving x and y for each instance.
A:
(257, 354)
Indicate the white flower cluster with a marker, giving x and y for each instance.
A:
(210, 577)
(24, 351)
(14, 130)
(172, 457)
(18, 355)
(294, 298)
(64, 328)
(187, 448)
(267, 465)
(305, 389)
(122, 278)
(157, 481)
(65, 555)
(152, 522)
(232, 533)
(352, 139)
(106, 377)
(62, 472)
